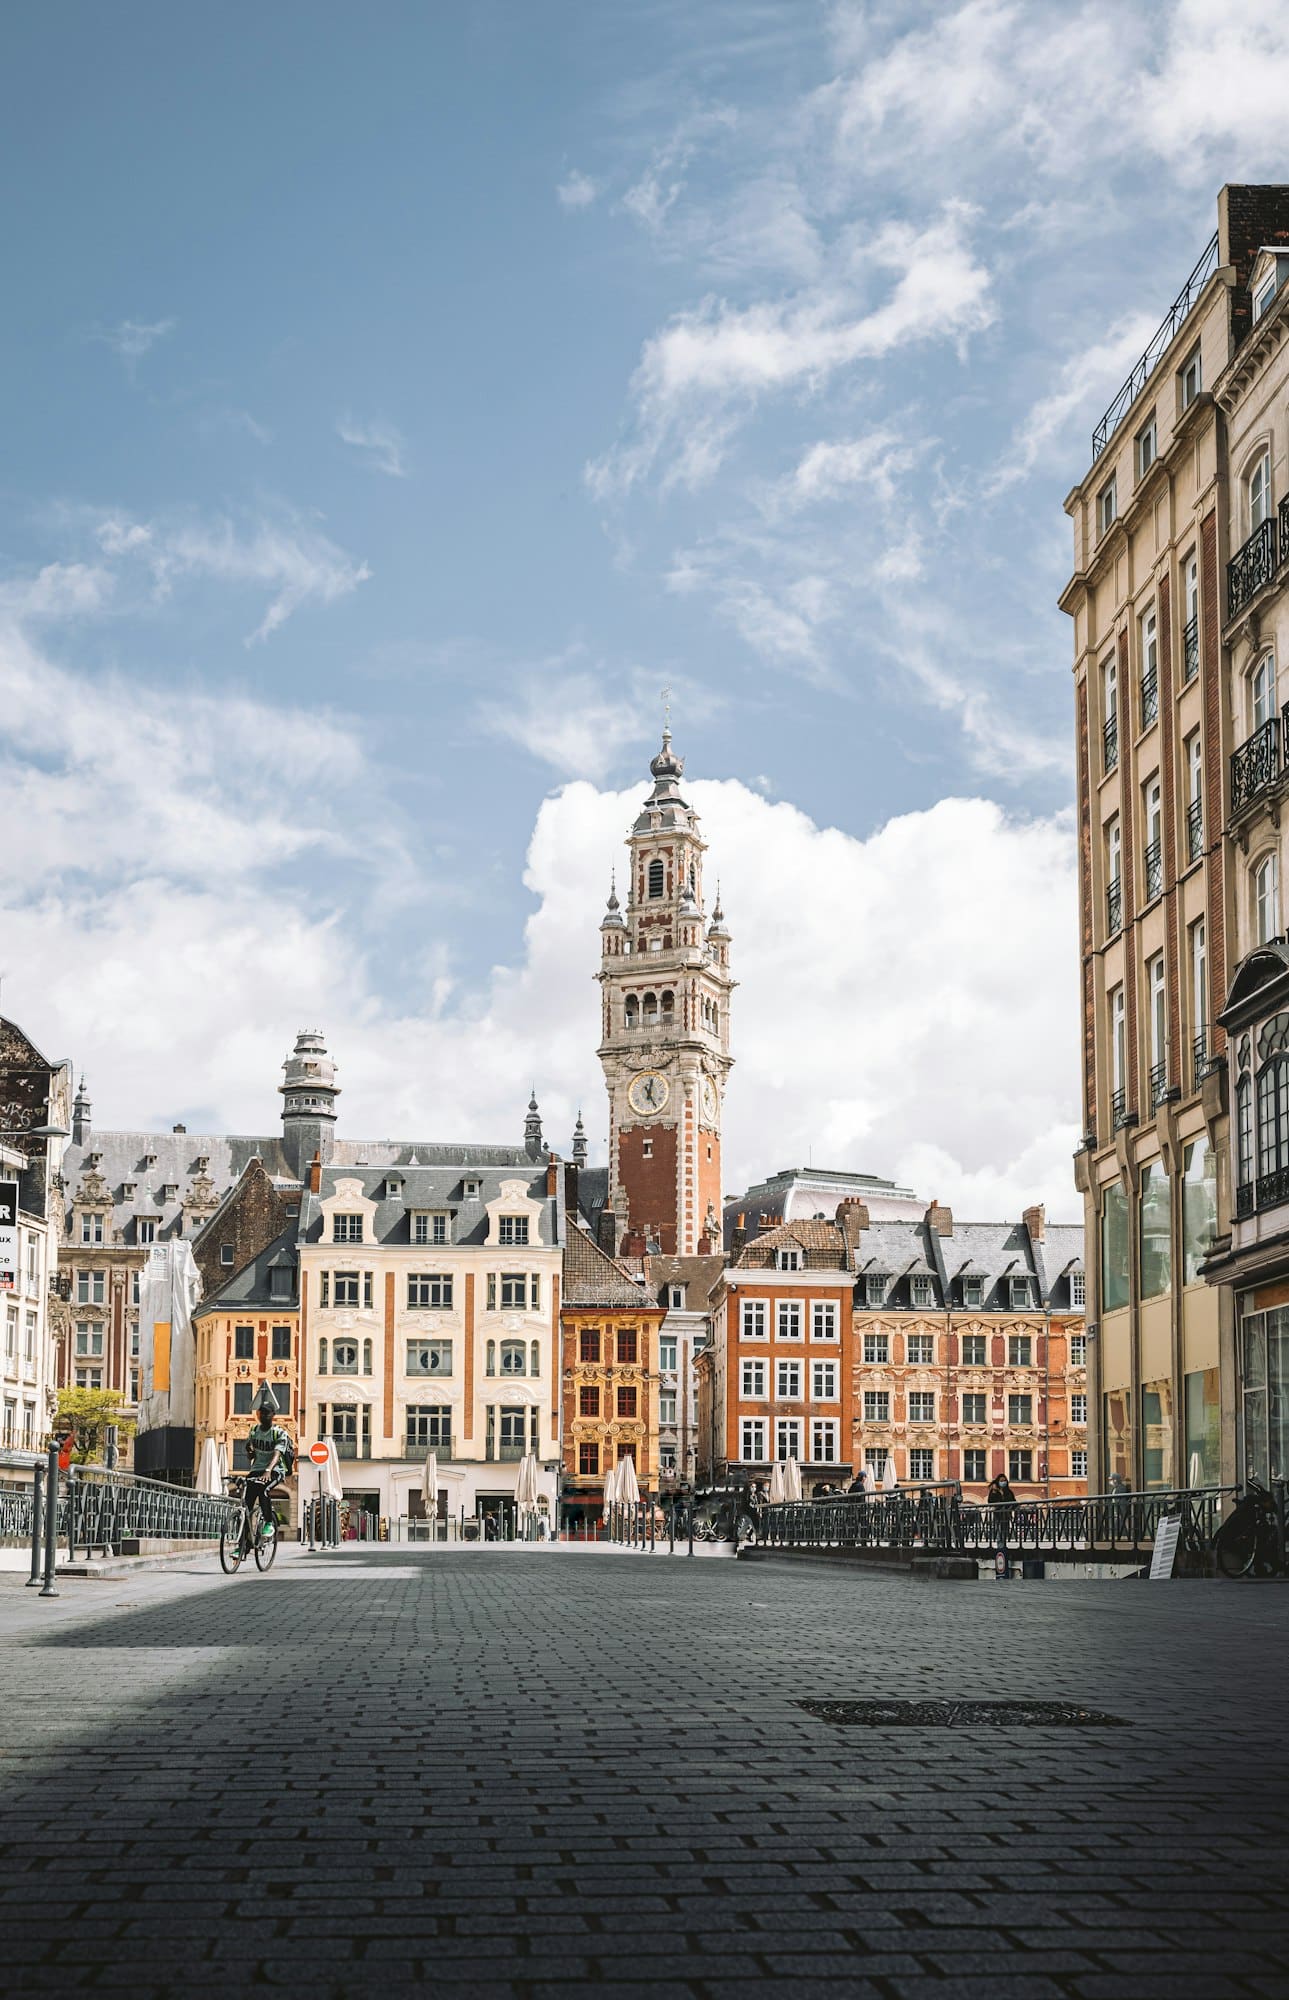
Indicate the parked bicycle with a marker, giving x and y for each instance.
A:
(1248, 1541)
(243, 1534)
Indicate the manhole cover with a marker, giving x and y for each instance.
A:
(962, 1714)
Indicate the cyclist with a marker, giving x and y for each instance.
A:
(269, 1449)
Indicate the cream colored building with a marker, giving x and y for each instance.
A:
(429, 1311)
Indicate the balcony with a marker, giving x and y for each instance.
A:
(1244, 1200)
(1269, 1190)
(1251, 567)
(504, 1454)
(1110, 743)
(1195, 829)
(1119, 1112)
(1158, 1084)
(350, 1448)
(1162, 338)
(1201, 1062)
(1149, 697)
(1114, 908)
(1256, 764)
(1153, 871)
(1190, 649)
(419, 1447)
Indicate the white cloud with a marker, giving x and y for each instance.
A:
(132, 339)
(59, 590)
(576, 191)
(570, 721)
(832, 466)
(1083, 387)
(383, 446)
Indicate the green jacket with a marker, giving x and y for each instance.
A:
(261, 1445)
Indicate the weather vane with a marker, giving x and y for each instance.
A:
(666, 707)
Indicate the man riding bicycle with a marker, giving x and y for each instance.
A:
(270, 1451)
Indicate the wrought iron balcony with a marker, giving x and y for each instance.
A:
(1251, 567)
(1244, 1199)
(1195, 829)
(1114, 908)
(1271, 1189)
(1110, 743)
(1256, 764)
(1118, 1108)
(1158, 1084)
(505, 1454)
(1161, 339)
(1200, 1060)
(1149, 697)
(419, 1447)
(1153, 870)
(1190, 648)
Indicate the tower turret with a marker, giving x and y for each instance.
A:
(533, 1131)
(308, 1102)
(579, 1143)
(81, 1116)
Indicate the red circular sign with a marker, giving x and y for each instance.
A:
(319, 1453)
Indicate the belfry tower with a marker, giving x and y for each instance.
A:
(664, 1035)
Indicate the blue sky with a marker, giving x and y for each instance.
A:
(399, 398)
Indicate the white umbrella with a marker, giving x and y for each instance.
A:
(777, 1484)
(526, 1488)
(628, 1485)
(208, 1479)
(610, 1490)
(792, 1480)
(329, 1474)
(221, 1456)
(870, 1484)
(430, 1488)
(889, 1481)
(1194, 1471)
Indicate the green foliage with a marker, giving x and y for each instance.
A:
(88, 1412)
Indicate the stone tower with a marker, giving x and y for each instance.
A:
(308, 1102)
(664, 1033)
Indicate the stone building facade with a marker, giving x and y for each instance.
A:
(35, 1106)
(610, 1329)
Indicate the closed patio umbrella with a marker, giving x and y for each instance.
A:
(330, 1473)
(221, 1456)
(526, 1489)
(628, 1484)
(889, 1481)
(777, 1489)
(208, 1479)
(1194, 1471)
(610, 1490)
(870, 1484)
(430, 1489)
(792, 1480)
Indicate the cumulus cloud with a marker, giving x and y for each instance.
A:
(1084, 382)
(576, 191)
(382, 446)
(59, 590)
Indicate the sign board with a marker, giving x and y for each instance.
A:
(319, 1453)
(1165, 1555)
(8, 1236)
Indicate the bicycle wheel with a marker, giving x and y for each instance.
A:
(1235, 1545)
(265, 1548)
(232, 1542)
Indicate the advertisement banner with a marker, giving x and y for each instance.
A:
(8, 1236)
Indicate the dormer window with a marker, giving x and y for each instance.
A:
(170, 1191)
(149, 1159)
(920, 1290)
(657, 880)
(393, 1188)
(787, 1260)
(973, 1291)
(675, 1298)
(280, 1286)
(874, 1288)
(1264, 298)
(512, 1228)
(127, 1190)
(346, 1229)
(470, 1189)
(145, 1229)
(1270, 269)
(1078, 1289)
(1019, 1291)
(429, 1227)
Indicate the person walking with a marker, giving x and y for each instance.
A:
(1001, 1498)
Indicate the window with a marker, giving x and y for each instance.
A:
(787, 1437)
(973, 1465)
(787, 1382)
(1258, 490)
(512, 1432)
(1158, 1003)
(513, 1228)
(1079, 1464)
(588, 1344)
(788, 1319)
(244, 1343)
(1020, 1409)
(1078, 1349)
(919, 1349)
(877, 1347)
(514, 1290)
(429, 1228)
(514, 1357)
(875, 1457)
(346, 1288)
(367, 1290)
(627, 1399)
(1114, 1248)
(787, 1260)
(973, 1350)
(1199, 988)
(752, 1440)
(324, 1288)
(90, 1288)
(1078, 1290)
(91, 1229)
(588, 1461)
(921, 1406)
(86, 1378)
(973, 1291)
(429, 1427)
(429, 1288)
(1078, 1409)
(667, 1355)
(470, 1190)
(877, 1406)
(973, 1407)
(1190, 630)
(344, 1357)
(588, 1401)
(1020, 1347)
(823, 1320)
(1266, 899)
(753, 1325)
(823, 1440)
(89, 1338)
(667, 1406)
(280, 1343)
(628, 1345)
(145, 1229)
(823, 1381)
(1263, 296)
(752, 1379)
(921, 1463)
(1114, 882)
(281, 1282)
(1199, 1206)
(1020, 1464)
(346, 1229)
(429, 1357)
(322, 1356)
(1190, 380)
(282, 1396)
(242, 1393)
(1147, 443)
(657, 880)
(674, 1299)
(1156, 1235)
(1110, 713)
(1152, 854)
(1118, 1050)
(874, 1288)
(1107, 508)
(921, 1290)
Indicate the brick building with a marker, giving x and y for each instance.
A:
(34, 1106)
(610, 1329)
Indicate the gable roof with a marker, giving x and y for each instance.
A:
(592, 1278)
(249, 1289)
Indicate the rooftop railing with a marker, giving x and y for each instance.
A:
(1160, 340)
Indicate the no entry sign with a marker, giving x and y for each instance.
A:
(318, 1453)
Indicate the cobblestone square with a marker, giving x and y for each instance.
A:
(532, 1772)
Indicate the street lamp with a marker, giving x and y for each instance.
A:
(36, 1132)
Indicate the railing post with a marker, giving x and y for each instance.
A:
(690, 1511)
(37, 1522)
(51, 1518)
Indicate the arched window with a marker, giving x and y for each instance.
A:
(1258, 487)
(345, 1355)
(491, 1363)
(668, 1005)
(512, 1357)
(535, 1358)
(657, 879)
(632, 1011)
(322, 1357)
(1273, 1117)
(650, 1009)
(366, 1357)
(1244, 1131)
(1266, 899)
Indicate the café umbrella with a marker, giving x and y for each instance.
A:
(778, 1492)
(208, 1475)
(430, 1488)
(791, 1480)
(889, 1481)
(628, 1485)
(526, 1489)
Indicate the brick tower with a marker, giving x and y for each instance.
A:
(664, 1037)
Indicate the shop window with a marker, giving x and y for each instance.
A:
(1114, 1248)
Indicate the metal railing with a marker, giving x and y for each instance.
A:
(1252, 565)
(98, 1509)
(1109, 743)
(1162, 337)
(1190, 649)
(1149, 697)
(1114, 907)
(1152, 870)
(1244, 1199)
(1118, 1108)
(1158, 1084)
(1200, 1063)
(1271, 1189)
(1256, 764)
(1195, 829)
(419, 1447)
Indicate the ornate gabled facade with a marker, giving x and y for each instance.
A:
(35, 1105)
(665, 1030)
(609, 1326)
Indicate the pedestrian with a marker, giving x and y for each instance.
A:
(489, 1527)
(1001, 1498)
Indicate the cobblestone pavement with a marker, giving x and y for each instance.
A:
(551, 1772)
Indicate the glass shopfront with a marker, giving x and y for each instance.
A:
(1116, 1418)
(1264, 1374)
(1203, 1428)
(1157, 1434)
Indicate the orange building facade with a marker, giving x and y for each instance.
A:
(609, 1330)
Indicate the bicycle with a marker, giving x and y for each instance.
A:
(1248, 1541)
(242, 1535)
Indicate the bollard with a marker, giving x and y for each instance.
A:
(651, 1528)
(51, 1519)
(671, 1531)
(691, 1527)
(37, 1519)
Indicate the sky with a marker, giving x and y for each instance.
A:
(399, 399)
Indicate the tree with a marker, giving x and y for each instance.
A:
(88, 1412)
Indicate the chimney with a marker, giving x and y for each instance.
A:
(940, 1219)
(608, 1231)
(853, 1212)
(738, 1240)
(315, 1174)
(1036, 1222)
(178, 1128)
(552, 1176)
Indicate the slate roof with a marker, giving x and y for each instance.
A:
(822, 1245)
(123, 1157)
(593, 1279)
(993, 1252)
(699, 1275)
(249, 1288)
(803, 1193)
(441, 1186)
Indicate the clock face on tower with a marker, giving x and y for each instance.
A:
(648, 1093)
(711, 1103)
